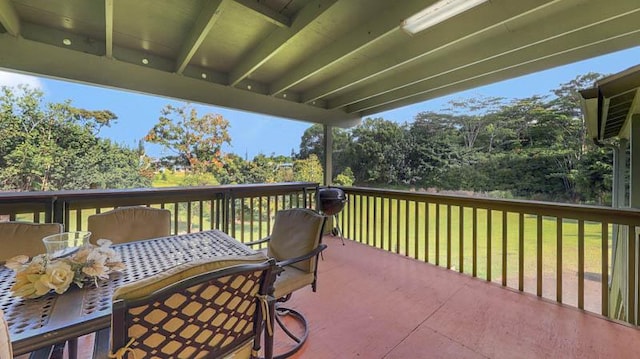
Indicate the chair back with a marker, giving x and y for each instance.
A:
(126, 224)
(198, 309)
(296, 232)
(5, 341)
(25, 238)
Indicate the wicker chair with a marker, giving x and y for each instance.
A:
(295, 243)
(126, 224)
(25, 238)
(199, 309)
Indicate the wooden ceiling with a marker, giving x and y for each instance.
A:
(323, 61)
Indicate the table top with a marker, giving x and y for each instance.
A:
(35, 323)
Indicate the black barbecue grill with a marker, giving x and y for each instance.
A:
(331, 201)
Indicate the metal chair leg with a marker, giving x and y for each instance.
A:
(282, 311)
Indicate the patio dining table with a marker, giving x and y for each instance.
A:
(40, 322)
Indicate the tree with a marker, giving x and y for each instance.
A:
(196, 141)
(53, 146)
(308, 170)
(312, 142)
(377, 153)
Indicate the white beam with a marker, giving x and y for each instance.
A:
(266, 12)
(62, 63)
(277, 40)
(9, 18)
(108, 28)
(328, 154)
(368, 34)
(208, 16)
(529, 42)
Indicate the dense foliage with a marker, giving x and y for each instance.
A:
(528, 148)
(54, 146)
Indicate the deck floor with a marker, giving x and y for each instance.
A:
(372, 304)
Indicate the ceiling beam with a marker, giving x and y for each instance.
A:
(208, 16)
(423, 44)
(108, 28)
(532, 61)
(277, 40)
(266, 12)
(513, 40)
(62, 63)
(9, 17)
(371, 32)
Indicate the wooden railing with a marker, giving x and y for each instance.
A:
(244, 211)
(557, 251)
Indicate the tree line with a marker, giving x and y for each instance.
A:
(533, 147)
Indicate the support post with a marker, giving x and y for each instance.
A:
(634, 202)
(328, 154)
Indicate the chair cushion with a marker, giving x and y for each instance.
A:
(128, 224)
(5, 341)
(25, 238)
(296, 232)
(146, 286)
(290, 280)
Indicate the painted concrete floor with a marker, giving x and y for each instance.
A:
(372, 304)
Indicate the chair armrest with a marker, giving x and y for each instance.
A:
(309, 255)
(259, 241)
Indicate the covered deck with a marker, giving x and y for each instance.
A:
(374, 304)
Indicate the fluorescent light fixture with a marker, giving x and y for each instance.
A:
(437, 13)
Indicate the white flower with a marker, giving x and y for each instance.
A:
(96, 265)
(104, 243)
(16, 262)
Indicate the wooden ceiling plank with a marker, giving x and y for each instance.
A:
(208, 16)
(266, 12)
(454, 84)
(108, 28)
(9, 17)
(277, 40)
(366, 35)
(530, 36)
(488, 20)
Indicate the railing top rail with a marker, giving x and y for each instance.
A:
(146, 192)
(565, 210)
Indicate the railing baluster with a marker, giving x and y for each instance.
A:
(375, 222)
(448, 236)
(559, 259)
(461, 239)
(78, 219)
(605, 269)
(367, 222)
(426, 231)
(360, 221)
(251, 229)
(539, 256)
(189, 203)
(474, 243)
(437, 234)
(201, 215)
(390, 229)
(580, 264)
(489, 223)
(406, 228)
(504, 248)
(416, 238)
(521, 252)
(398, 226)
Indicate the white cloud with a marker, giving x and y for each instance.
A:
(13, 79)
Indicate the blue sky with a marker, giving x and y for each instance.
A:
(252, 134)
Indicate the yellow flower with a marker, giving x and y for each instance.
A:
(57, 277)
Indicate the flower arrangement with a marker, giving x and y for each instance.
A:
(39, 276)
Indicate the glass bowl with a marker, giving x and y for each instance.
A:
(64, 244)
